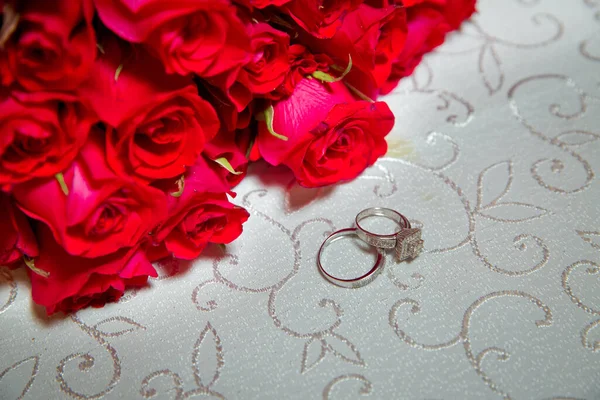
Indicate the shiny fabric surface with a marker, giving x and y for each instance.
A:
(495, 154)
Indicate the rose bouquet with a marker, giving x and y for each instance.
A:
(125, 124)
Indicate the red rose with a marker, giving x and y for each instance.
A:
(53, 46)
(40, 134)
(331, 137)
(302, 64)
(74, 282)
(374, 38)
(264, 72)
(269, 59)
(321, 19)
(428, 23)
(157, 124)
(201, 215)
(456, 11)
(263, 3)
(101, 213)
(232, 147)
(16, 239)
(201, 36)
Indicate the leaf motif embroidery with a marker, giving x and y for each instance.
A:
(576, 138)
(203, 349)
(117, 326)
(489, 67)
(344, 349)
(513, 212)
(493, 184)
(593, 238)
(20, 369)
(314, 351)
(6, 277)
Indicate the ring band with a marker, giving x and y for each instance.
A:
(387, 241)
(406, 241)
(348, 283)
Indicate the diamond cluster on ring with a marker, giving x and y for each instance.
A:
(408, 244)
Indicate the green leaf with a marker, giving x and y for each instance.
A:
(325, 77)
(63, 185)
(180, 186)
(30, 263)
(269, 115)
(118, 71)
(222, 161)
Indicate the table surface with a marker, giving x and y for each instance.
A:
(494, 153)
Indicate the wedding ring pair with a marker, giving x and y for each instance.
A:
(405, 240)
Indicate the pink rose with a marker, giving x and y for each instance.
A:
(75, 282)
(102, 212)
(331, 136)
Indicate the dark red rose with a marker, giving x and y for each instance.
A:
(302, 64)
(53, 46)
(331, 137)
(16, 239)
(264, 72)
(387, 3)
(157, 124)
(40, 134)
(75, 282)
(102, 211)
(230, 116)
(201, 215)
(267, 3)
(374, 38)
(210, 41)
(204, 37)
(269, 59)
(428, 23)
(321, 19)
(231, 147)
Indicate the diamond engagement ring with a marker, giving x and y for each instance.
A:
(405, 240)
(354, 282)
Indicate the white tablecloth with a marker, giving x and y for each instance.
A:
(495, 153)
